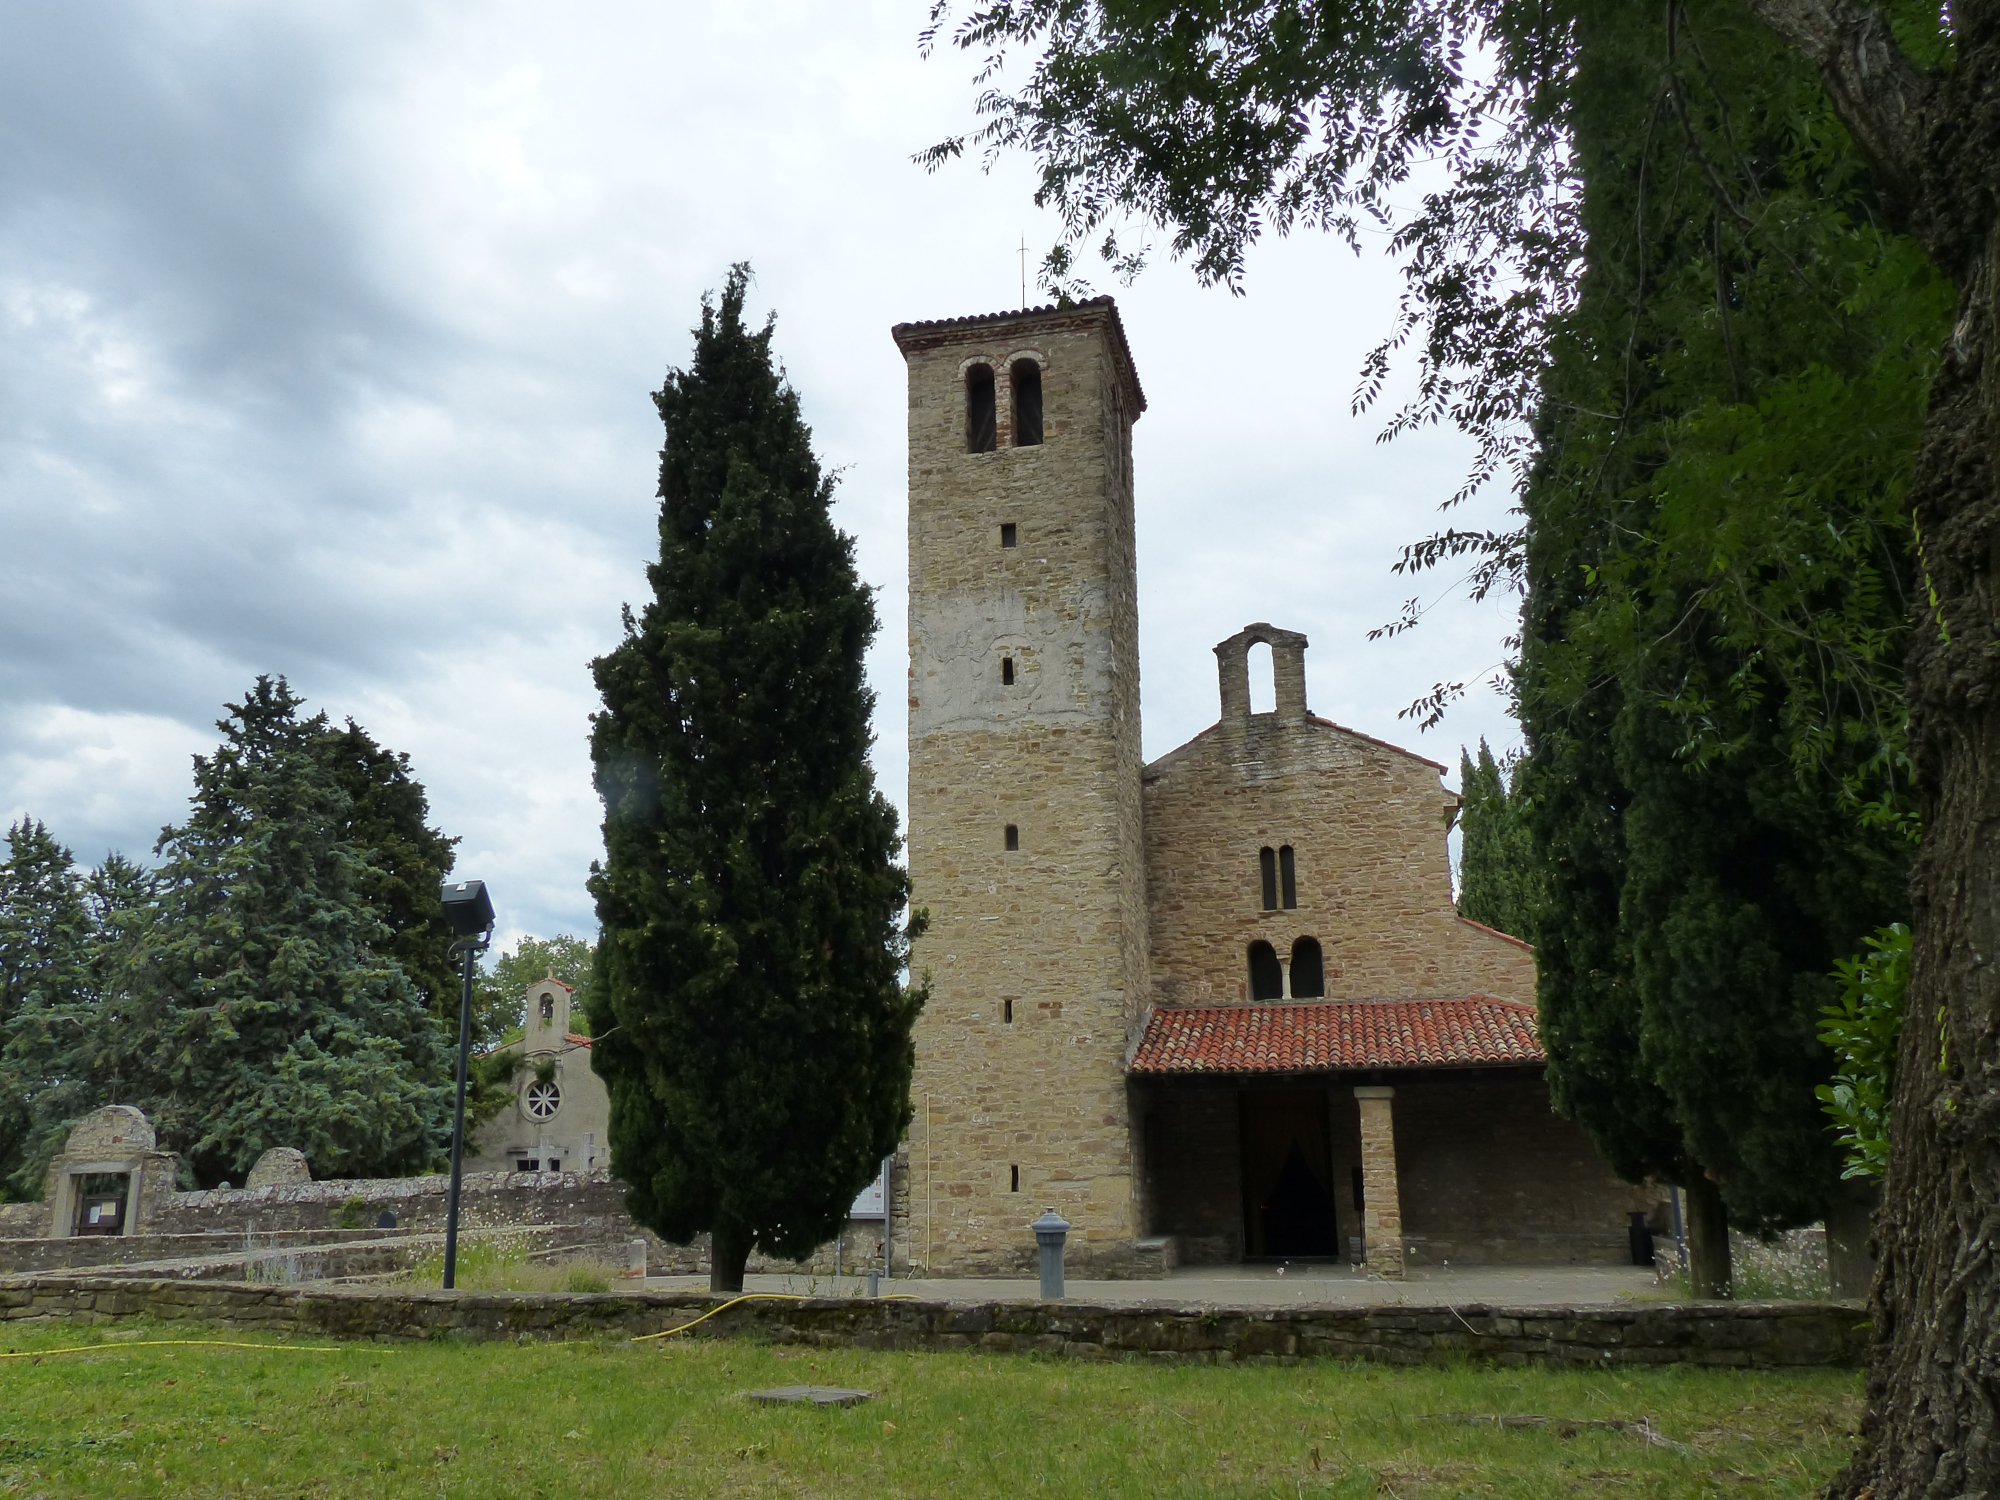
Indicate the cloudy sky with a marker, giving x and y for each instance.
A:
(326, 337)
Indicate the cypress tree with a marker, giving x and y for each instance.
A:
(752, 1023)
(1498, 876)
(1716, 560)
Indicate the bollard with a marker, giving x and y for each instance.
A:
(1050, 1230)
(635, 1259)
(874, 1282)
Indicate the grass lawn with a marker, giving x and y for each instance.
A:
(670, 1417)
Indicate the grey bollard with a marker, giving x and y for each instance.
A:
(1050, 1231)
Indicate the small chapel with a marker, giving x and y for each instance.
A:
(1212, 1009)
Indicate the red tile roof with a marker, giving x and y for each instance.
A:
(1309, 1036)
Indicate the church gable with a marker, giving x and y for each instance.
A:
(1291, 858)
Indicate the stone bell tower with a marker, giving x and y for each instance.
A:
(1025, 839)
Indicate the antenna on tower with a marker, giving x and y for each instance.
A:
(1024, 272)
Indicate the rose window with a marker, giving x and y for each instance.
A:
(541, 1101)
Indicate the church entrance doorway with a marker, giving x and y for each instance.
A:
(1288, 1206)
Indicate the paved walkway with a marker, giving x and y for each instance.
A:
(1252, 1286)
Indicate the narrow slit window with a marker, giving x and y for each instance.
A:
(1010, 534)
(1267, 873)
(981, 433)
(1013, 837)
(1027, 376)
(1007, 1012)
(1014, 1178)
(1267, 978)
(1288, 876)
(1007, 671)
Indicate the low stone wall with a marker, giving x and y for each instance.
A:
(588, 1206)
(132, 1249)
(1730, 1335)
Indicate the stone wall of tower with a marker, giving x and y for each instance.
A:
(1024, 713)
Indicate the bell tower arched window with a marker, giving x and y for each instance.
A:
(1288, 878)
(1027, 393)
(1267, 877)
(981, 429)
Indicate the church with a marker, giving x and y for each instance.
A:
(1215, 1008)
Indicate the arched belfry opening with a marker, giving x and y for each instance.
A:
(1267, 877)
(1278, 669)
(982, 429)
(1027, 393)
(1262, 680)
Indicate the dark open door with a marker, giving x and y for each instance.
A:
(1288, 1210)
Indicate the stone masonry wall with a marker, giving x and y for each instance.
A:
(1487, 1173)
(1726, 1335)
(1367, 824)
(1037, 955)
(1491, 1175)
(589, 1204)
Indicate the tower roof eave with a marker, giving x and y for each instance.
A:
(931, 333)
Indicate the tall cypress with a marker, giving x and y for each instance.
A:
(1718, 564)
(1498, 871)
(753, 1025)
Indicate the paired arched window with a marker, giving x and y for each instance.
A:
(1027, 377)
(1278, 878)
(981, 416)
(1308, 970)
(1267, 977)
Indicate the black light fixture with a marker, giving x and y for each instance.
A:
(468, 911)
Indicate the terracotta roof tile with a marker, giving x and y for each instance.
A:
(1308, 1036)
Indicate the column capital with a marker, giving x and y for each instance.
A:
(1374, 1091)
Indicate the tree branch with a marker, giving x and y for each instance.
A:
(1881, 96)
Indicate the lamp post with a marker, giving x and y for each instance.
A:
(469, 911)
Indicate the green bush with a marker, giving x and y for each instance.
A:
(1862, 1028)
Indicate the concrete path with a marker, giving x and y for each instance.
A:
(1251, 1286)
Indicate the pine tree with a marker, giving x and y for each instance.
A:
(406, 861)
(45, 987)
(260, 1006)
(753, 1026)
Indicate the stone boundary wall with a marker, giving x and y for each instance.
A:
(129, 1249)
(590, 1205)
(1770, 1335)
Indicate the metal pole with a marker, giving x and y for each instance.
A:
(888, 1214)
(471, 946)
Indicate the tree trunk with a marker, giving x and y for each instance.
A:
(1933, 1423)
(1707, 1237)
(1850, 1261)
(728, 1253)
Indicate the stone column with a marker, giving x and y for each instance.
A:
(1284, 978)
(1382, 1208)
